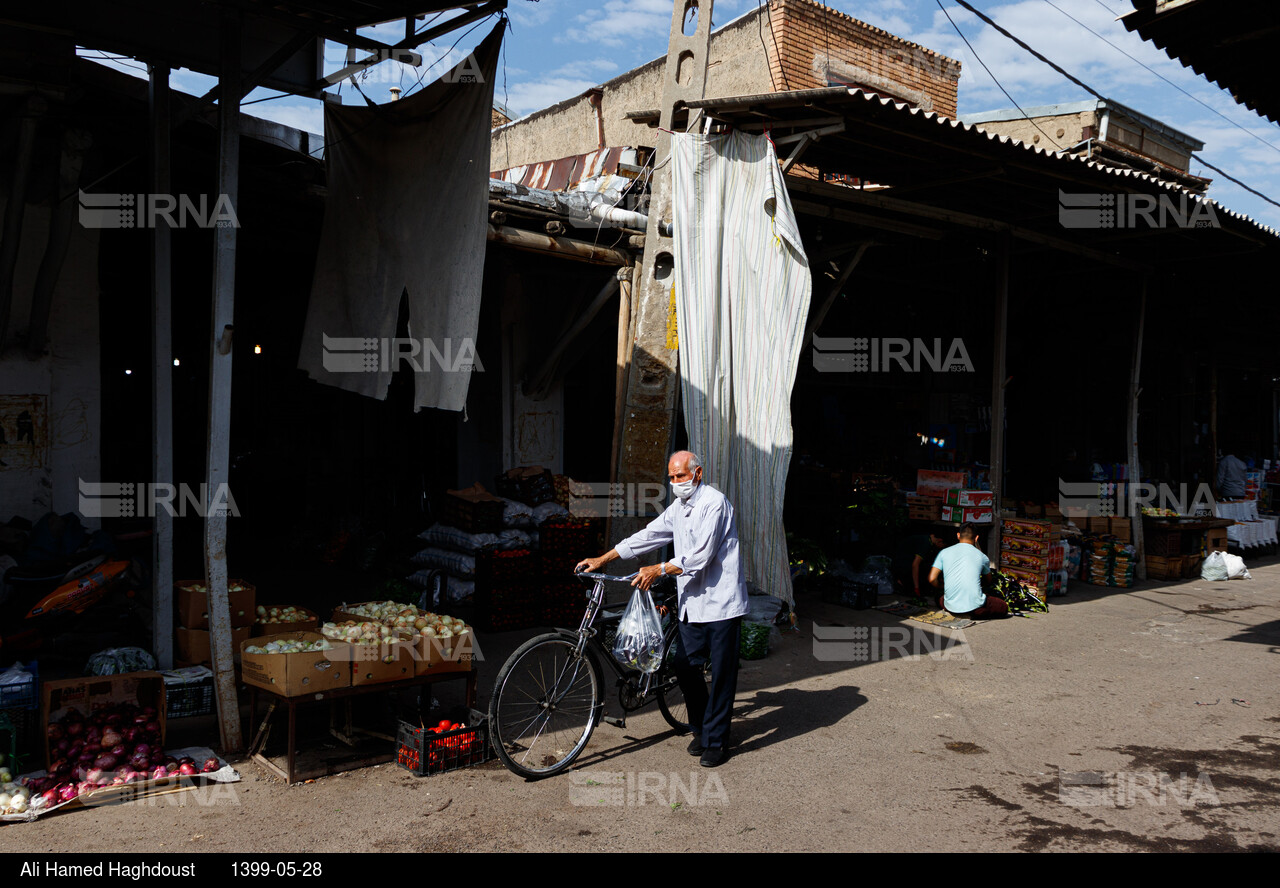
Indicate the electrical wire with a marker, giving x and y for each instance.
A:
(1226, 175)
(765, 10)
(993, 77)
(1076, 81)
(1165, 79)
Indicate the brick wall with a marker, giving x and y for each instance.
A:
(816, 44)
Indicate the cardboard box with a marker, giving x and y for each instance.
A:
(291, 675)
(1121, 529)
(1095, 524)
(936, 484)
(456, 654)
(99, 692)
(196, 645)
(962, 514)
(193, 604)
(1025, 544)
(376, 663)
(312, 624)
(1033, 528)
(961, 497)
(1037, 563)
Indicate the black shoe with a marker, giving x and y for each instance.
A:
(695, 746)
(713, 757)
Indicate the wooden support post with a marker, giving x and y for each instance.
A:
(161, 371)
(1134, 473)
(999, 338)
(649, 409)
(218, 457)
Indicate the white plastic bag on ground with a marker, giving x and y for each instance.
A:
(1235, 567)
(1214, 567)
(1224, 566)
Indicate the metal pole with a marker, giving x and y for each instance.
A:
(997, 388)
(1135, 390)
(217, 465)
(161, 371)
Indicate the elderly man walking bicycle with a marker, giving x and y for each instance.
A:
(712, 597)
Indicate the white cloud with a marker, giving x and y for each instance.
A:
(525, 98)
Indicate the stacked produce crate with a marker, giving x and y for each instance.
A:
(1113, 563)
(1032, 552)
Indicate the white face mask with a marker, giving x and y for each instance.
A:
(682, 489)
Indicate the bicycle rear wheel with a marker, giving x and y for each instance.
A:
(670, 696)
(544, 706)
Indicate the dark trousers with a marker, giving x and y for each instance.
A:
(992, 608)
(716, 643)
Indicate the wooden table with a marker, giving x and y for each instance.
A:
(290, 773)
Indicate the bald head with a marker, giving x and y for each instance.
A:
(684, 466)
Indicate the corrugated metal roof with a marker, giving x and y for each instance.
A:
(1230, 44)
(925, 154)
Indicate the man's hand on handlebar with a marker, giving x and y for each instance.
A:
(590, 565)
(646, 575)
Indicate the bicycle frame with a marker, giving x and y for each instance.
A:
(588, 635)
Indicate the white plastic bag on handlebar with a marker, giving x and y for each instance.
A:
(639, 641)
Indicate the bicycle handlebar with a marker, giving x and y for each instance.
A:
(602, 576)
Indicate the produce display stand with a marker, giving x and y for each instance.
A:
(344, 695)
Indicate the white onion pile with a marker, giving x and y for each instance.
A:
(288, 647)
(395, 615)
(272, 615)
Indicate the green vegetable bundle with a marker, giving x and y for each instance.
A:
(754, 641)
(1015, 594)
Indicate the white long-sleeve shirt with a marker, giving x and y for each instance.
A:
(705, 536)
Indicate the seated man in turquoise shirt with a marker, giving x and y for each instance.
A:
(958, 570)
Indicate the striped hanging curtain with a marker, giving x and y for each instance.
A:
(742, 298)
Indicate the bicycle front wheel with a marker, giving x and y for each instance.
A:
(544, 706)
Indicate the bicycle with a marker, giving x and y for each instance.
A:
(549, 695)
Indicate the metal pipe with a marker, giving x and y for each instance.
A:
(625, 218)
(564, 247)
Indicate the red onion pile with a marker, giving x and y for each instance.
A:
(112, 747)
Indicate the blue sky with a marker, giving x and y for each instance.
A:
(558, 48)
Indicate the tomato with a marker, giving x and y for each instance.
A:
(444, 725)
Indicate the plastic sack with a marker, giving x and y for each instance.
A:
(117, 661)
(762, 609)
(877, 569)
(1224, 566)
(639, 641)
